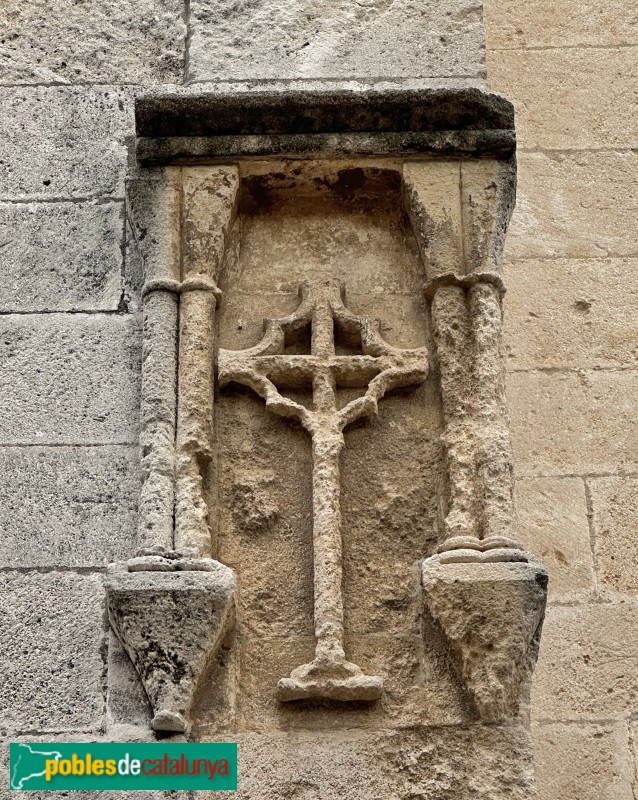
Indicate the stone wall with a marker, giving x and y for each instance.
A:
(571, 70)
(71, 346)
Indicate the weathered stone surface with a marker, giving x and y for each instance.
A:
(552, 524)
(575, 205)
(565, 423)
(588, 664)
(564, 23)
(69, 379)
(127, 704)
(52, 630)
(74, 137)
(491, 615)
(582, 762)
(346, 39)
(120, 42)
(68, 506)
(615, 506)
(437, 763)
(592, 83)
(568, 312)
(171, 625)
(60, 256)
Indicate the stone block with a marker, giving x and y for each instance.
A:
(562, 313)
(588, 665)
(582, 761)
(552, 524)
(69, 379)
(566, 423)
(558, 23)
(575, 205)
(68, 506)
(343, 40)
(115, 42)
(74, 137)
(615, 507)
(569, 98)
(485, 763)
(61, 256)
(52, 630)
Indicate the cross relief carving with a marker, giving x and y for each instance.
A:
(380, 368)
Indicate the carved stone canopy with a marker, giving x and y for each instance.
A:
(224, 184)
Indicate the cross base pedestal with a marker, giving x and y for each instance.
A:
(330, 680)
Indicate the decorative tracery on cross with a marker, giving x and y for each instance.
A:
(266, 368)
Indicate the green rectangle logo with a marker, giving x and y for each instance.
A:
(122, 766)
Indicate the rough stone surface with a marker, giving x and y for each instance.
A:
(74, 506)
(558, 23)
(74, 137)
(588, 664)
(61, 256)
(442, 764)
(552, 220)
(583, 762)
(120, 42)
(565, 423)
(52, 629)
(615, 503)
(568, 312)
(552, 524)
(491, 615)
(171, 625)
(591, 82)
(341, 40)
(86, 367)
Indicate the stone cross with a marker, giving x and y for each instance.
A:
(379, 369)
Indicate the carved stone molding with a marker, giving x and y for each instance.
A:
(210, 171)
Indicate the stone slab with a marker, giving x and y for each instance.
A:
(552, 524)
(485, 763)
(121, 41)
(558, 23)
(573, 423)
(575, 205)
(615, 507)
(582, 762)
(570, 98)
(568, 312)
(588, 665)
(52, 630)
(338, 40)
(74, 137)
(69, 379)
(68, 506)
(61, 256)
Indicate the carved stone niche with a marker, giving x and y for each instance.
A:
(327, 538)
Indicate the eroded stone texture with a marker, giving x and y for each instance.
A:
(74, 137)
(569, 422)
(583, 762)
(120, 42)
(491, 614)
(85, 365)
(588, 665)
(68, 505)
(60, 256)
(171, 624)
(437, 763)
(52, 629)
(568, 312)
(552, 523)
(342, 39)
(615, 503)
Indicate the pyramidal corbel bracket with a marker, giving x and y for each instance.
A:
(171, 624)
